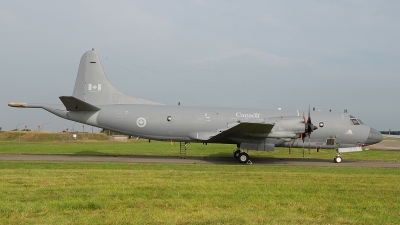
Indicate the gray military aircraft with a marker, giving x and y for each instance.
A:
(96, 102)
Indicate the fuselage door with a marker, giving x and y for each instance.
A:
(330, 141)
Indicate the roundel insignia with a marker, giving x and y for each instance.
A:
(141, 122)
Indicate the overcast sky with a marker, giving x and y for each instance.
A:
(259, 54)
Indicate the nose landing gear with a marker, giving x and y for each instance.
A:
(338, 158)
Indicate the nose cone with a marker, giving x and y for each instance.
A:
(374, 137)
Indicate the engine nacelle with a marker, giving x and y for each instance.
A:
(287, 127)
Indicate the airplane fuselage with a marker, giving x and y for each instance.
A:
(198, 124)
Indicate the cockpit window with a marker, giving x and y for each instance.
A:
(354, 122)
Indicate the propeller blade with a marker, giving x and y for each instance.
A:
(309, 126)
(308, 129)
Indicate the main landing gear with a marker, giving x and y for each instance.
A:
(242, 156)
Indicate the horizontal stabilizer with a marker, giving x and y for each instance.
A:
(245, 130)
(74, 104)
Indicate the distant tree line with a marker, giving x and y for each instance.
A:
(391, 132)
(21, 130)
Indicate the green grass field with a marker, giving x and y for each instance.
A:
(113, 193)
(130, 193)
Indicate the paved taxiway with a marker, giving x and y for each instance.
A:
(197, 160)
(388, 145)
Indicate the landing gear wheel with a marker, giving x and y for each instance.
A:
(337, 159)
(236, 153)
(243, 157)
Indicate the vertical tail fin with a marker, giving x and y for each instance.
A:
(93, 87)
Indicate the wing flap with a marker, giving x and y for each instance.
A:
(74, 104)
(245, 130)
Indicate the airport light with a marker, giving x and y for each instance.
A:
(44, 124)
(73, 127)
(18, 125)
(19, 134)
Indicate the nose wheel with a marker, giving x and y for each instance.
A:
(338, 159)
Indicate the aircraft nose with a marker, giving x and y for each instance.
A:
(374, 137)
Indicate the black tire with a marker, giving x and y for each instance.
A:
(236, 154)
(243, 157)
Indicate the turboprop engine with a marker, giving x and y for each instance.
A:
(287, 127)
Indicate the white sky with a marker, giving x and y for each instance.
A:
(328, 54)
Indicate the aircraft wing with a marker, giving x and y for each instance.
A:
(74, 104)
(245, 130)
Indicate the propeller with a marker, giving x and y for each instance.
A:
(309, 128)
(290, 145)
